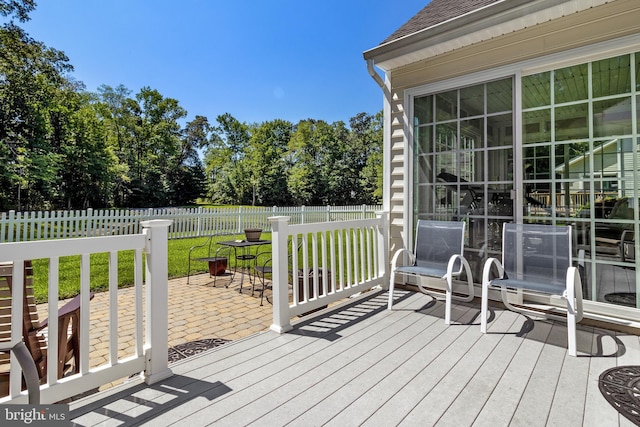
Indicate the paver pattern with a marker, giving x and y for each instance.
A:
(197, 311)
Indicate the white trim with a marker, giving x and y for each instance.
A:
(518, 173)
(581, 55)
(608, 49)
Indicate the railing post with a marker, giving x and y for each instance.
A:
(383, 252)
(279, 255)
(157, 300)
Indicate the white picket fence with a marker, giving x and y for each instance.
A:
(187, 222)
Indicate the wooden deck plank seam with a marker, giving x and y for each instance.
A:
(345, 373)
(387, 348)
(225, 380)
(464, 359)
(335, 347)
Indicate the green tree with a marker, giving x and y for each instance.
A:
(31, 78)
(366, 150)
(306, 150)
(18, 8)
(86, 162)
(268, 163)
(229, 180)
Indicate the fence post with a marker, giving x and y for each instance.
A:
(328, 213)
(11, 225)
(157, 300)
(302, 214)
(280, 285)
(239, 230)
(198, 233)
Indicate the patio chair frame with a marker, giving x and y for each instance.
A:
(569, 289)
(445, 263)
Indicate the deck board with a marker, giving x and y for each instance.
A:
(361, 364)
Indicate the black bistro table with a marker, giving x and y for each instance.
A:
(244, 256)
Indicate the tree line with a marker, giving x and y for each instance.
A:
(63, 147)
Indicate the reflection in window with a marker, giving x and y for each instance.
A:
(612, 117)
(570, 84)
(585, 172)
(611, 76)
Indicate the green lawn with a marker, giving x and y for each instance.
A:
(69, 267)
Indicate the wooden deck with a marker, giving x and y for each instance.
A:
(360, 364)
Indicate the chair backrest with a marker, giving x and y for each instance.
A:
(436, 241)
(537, 253)
(36, 343)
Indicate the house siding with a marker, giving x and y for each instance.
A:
(603, 23)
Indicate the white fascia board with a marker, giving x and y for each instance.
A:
(483, 24)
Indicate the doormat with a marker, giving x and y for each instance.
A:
(191, 348)
(620, 386)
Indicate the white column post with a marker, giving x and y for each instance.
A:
(280, 256)
(157, 300)
(383, 251)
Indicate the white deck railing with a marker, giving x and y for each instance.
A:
(151, 344)
(324, 263)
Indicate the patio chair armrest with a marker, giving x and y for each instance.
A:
(396, 257)
(66, 310)
(574, 291)
(486, 270)
(262, 255)
(29, 370)
(464, 265)
(206, 242)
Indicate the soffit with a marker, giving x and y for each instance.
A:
(483, 24)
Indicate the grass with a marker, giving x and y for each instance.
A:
(69, 267)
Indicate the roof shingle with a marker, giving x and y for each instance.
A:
(436, 12)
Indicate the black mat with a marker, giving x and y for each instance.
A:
(192, 348)
(620, 386)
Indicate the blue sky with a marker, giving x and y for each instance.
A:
(258, 60)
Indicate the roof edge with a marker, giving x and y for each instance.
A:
(481, 18)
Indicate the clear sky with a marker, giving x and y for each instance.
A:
(258, 60)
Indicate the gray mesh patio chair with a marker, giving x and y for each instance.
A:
(439, 253)
(536, 259)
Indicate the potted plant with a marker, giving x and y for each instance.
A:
(253, 234)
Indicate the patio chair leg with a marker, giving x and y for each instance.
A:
(447, 302)
(571, 316)
(484, 307)
(391, 285)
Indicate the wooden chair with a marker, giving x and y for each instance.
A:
(439, 253)
(32, 329)
(537, 259)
